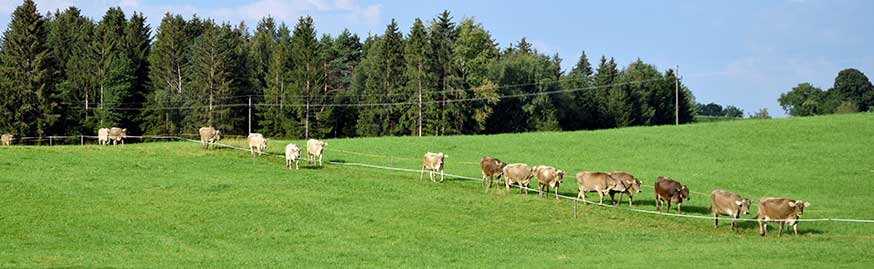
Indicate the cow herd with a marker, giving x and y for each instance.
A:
(667, 190)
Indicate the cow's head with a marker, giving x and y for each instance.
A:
(634, 185)
(799, 206)
(744, 205)
(124, 132)
(560, 175)
(264, 145)
(218, 135)
(684, 193)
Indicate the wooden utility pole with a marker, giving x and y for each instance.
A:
(677, 96)
(250, 114)
(420, 101)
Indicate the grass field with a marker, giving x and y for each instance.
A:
(174, 204)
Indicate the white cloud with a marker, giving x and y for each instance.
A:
(290, 11)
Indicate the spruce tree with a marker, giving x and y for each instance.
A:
(443, 34)
(168, 61)
(262, 47)
(28, 106)
(274, 111)
(211, 59)
(116, 88)
(137, 45)
(348, 49)
(420, 82)
(306, 75)
(70, 37)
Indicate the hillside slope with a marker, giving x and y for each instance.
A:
(172, 204)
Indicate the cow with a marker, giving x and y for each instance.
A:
(598, 182)
(257, 143)
(433, 162)
(7, 139)
(292, 154)
(208, 136)
(519, 173)
(492, 170)
(628, 184)
(314, 149)
(117, 135)
(668, 190)
(727, 203)
(103, 136)
(781, 210)
(548, 176)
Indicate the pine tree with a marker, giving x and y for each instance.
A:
(243, 81)
(28, 106)
(365, 85)
(583, 112)
(168, 63)
(212, 55)
(137, 44)
(443, 34)
(383, 84)
(348, 49)
(420, 82)
(272, 113)
(605, 75)
(70, 37)
(262, 47)
(116, 87)
(306, 74)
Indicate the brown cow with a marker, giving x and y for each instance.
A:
(433, 162)
(669, 190)
(7, 139)
(727, 203)
(628, 185)
(492, 170)
(208, 136)
(548, 176)
(519, 173)
(781, 210)
(598, 182)
(117, 135)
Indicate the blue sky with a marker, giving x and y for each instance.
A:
(743, 53)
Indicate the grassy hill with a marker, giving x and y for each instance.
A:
(174, 204)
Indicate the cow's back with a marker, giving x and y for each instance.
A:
(6, 138)
(314, 147)
(103, 132)
(256, 140)
(722, 201)
(292, 151)
(433, 161)
(546, 174)
(666, 187)
(206, 133)
(775, 208)
(517, 172)
(593, 181)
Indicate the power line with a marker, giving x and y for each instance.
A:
(472, 99)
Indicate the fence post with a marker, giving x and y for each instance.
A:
(81, 140)
(250, 114)
(50, 141)
(575, 208)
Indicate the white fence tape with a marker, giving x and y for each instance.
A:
(575, 199)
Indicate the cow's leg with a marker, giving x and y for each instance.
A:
(296, 167)
(507, 185)
(762, 228)
(782, 226)
(431, 175)
(320, 160)
(483, 183)
(556, 192)
(630, 199)
(715, 220)
(441, 175)
(422, 175)
(668, 208)
(600, 197)
(734, 224)
(679, 209)
(795, 228)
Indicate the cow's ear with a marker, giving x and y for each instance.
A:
(739, 203)
(806, 204)
(792, 204)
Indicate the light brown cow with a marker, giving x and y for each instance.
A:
(548, 176)
(117, 135)
(781, 210)
(292, 155)
(628, 185)
(314, 150)
(598, 182)
(7, 139)
(433, 162)
(257, 143)
(208, 136)
(103, 136)
(518, 173)
(668, 190)
(727, 203)
(492, 169)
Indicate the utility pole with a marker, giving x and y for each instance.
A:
(250, 114)
(677, 96)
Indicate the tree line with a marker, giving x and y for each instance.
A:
(64, 73)
(851, 92)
